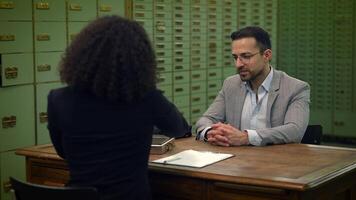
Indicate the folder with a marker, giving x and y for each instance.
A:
(192, 158)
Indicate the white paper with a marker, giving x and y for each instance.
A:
(192, 158)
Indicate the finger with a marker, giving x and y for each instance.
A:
(217, 125)
(214, 141)
(214, 132)
(221, 138)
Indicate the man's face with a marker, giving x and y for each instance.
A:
(249, 61)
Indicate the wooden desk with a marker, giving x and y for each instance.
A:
(292, 171)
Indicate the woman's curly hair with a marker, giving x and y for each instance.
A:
(112, 57)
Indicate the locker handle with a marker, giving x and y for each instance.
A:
(179, 59)
(160, 45)
(162, 54)
(179, 30)
(179, 53)
(212, 16)
(212, 74)
(212, 85)
(160, 28)
(160, 7)
(178, 8)
(160, 69)
(196, 66)
(43, 117)
(227, 17)
(212, 9)
(9, 122)
(43, 37)
(179, 89)
(197, 52)
(161, 79)
(196, 9)
(178, 67)
(160, 38)
(179, 23)
(11, 72)
(160, 15)
(139, 6)
(7, 186)
(140, 14)
(42, 6)
(7, 5)
(75, 7)
(105, 8)
(179, 15)
(160, 60)
(179, 45)
(212, 23)
(196, 23)
(196, 30)
(160, 23)
(228, 10)
(196, 59)
(7, 37)
(196, 111)
(196, 76)
(196, 88)
(179, 78)
(43, 67)
(211, 97)
(179, 38)
(196, 99)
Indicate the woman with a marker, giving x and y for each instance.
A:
(102, 122)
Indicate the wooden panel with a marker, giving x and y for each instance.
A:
(164, 186)
(47, 172)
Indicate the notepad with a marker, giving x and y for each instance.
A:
(192, 158)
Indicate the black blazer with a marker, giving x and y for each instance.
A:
(106, 144)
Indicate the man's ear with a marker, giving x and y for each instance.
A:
(268, 55)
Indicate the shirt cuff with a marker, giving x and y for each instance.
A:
(254, 138)
(202, 133)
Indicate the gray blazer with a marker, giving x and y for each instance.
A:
(287, 108)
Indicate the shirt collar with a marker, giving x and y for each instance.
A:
(266, 84)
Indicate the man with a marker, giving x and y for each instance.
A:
(260, 105)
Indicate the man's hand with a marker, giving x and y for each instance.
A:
(226, 135)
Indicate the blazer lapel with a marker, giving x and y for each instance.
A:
(240, 100)
(273, 94)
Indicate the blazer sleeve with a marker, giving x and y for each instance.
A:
(168, 118)
(54, 131)
(295, 121)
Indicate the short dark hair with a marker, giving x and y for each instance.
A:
(112, 57)
(261, 36)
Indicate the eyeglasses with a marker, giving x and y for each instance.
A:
(244, 57)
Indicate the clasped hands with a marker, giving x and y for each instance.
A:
(226, 135)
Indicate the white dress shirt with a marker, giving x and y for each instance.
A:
(254, 112)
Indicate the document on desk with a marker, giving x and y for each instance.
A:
(192, 158)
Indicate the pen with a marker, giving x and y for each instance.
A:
(171, 160)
